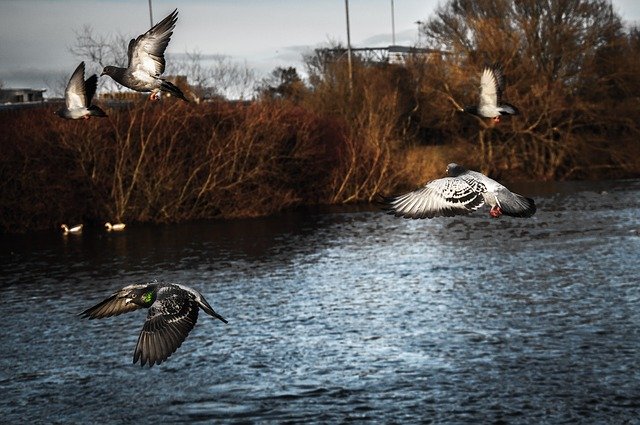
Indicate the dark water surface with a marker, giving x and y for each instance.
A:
(341, 316)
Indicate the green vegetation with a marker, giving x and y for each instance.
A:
(572, 69)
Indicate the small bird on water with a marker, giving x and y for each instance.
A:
(146, 61)
(464, 191)
(117, 227)
(73, 229)
(173, 312)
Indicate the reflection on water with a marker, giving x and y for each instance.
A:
(341, 315)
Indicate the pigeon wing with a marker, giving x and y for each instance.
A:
(112, 306)
(514, 205)
(448, 196)
(74, 94)
(90, 86)
(146, 53)
(489, 87)
(169, 322)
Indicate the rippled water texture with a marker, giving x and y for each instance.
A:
(338, 316)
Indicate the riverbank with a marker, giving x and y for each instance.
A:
(172, 162)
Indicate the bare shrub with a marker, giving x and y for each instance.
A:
(374, 113)
(214, 76)
(553, 53)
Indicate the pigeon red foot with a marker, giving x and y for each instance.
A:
(495, 212)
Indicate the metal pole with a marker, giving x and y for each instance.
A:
(349, 59)
(150, 13)
(393, 25)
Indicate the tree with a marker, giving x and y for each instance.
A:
(553, 53)
(283, 83)
(214, 75)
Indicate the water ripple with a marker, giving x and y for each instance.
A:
(341, 316)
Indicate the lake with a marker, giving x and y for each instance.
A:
(340, 315)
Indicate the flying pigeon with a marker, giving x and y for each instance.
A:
(146, 61)
(462, 192)
(78, 95)
(491, 88)
(173, 312)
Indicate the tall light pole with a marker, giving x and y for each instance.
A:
(349, 59)
(150, 13)
(393, 25)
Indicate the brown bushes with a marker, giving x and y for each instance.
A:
(172, 162)
(571, 69)
(397, 126)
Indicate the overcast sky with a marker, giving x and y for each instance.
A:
(35, 35)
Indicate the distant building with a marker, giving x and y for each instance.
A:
(21, 95)
(392, 54)
(400, 54)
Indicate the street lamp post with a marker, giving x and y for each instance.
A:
(349, 59)
(393, 25)
(150, 13)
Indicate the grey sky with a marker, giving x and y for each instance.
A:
(35, 35)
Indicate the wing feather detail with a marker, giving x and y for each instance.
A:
(112, 306)
(146, 53)
(489, 88)
(447, 197)
(170, 320)
(74, 94)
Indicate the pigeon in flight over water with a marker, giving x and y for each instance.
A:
(173, 312)
(78, 95)
(462, 192)
(491, 88)
(146, 61)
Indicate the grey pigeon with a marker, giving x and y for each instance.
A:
(173, 312)
(78, 95)
(491, 88)
(462, 192)
(146, 61)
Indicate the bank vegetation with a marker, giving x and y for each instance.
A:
(572, 68)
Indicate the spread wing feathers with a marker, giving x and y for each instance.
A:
(90, 86)
(74, 94)
(146, 53)
(447, 197)
(514, 205)
(491, 86)
(112, 306)
(169, 322)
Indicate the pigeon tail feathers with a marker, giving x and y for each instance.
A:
(95, 111)
(523, 207)
(173, 89)
(508, 109)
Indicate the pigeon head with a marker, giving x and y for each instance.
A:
(455, 170)
(143, 297)
(109, 70)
